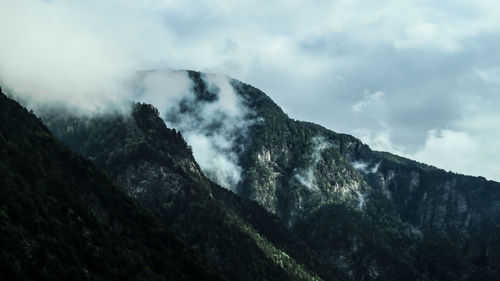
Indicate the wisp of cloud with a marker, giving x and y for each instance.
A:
(207, 111)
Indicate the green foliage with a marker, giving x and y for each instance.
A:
(336, 239)
(455, 241)
(239, 237)
(375, 244)
(62, 219)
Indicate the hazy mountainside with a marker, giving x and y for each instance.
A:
(297, 170)
(368, 215)
(63, 219)
(281, 145)
(462, 210)
(155, 166)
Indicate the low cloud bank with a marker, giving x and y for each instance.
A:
(206, 110)
(76, 54)
(433, 69)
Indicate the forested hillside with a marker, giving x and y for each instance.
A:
(351, 213)
(61, 218)
(155, 166)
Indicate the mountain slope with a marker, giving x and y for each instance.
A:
(368, 215)
(155, 166)
(462, 210)
(63, 219)
(300, 170)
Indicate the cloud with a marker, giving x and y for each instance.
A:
(449, 145)
(462, 152)
(73, 52)
(369, 101)
(164, 89)
(306, 176)
(380, 140)
(436, 62)
(427, 34)
(366, 167)
(489, 75)
(214, 121)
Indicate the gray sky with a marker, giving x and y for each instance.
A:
(418, 78)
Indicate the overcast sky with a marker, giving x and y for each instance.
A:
(418, 78)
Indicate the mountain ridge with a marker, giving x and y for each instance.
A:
(157, 169)
(303, 172)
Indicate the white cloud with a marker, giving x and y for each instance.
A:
(164, 88)
(427, 34)
(365, 167)
(435, 60)
(211, 126)
(489, 75)
(380, 139)
(457, 151)
(306, 176)
(370, 101)
(462, 152)
(78, 53)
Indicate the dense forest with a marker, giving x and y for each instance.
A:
(120, 196)
(61, 218)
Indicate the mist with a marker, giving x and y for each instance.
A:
(404, 77)
(206, 110)
(366, 167)
(306, 175)
(77, 54)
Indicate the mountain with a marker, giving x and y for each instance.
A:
(155, 166)
(461, 210)
(63, 219)
(350, 213)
